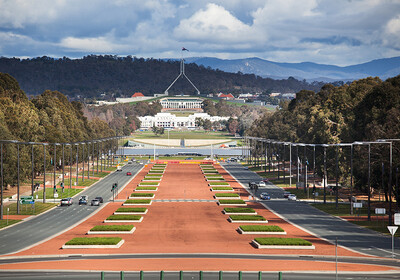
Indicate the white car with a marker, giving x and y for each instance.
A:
(262, 184)
(292, 197)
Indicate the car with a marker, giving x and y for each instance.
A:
(85, 197)
(130, 162)
(95, 202)
(286, 194)
(262, 184)
(66, 201)
(265, 196)
(119, 168)
(82, 201)
(292, 197)
(99, 198)
(128, 173)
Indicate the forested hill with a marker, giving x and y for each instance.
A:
(122, 76)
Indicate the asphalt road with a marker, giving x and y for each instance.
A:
(323, 225)
(42, 227)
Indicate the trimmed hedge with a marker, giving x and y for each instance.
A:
(222, 188)
(231, 201)
(124, 217)
(135, 194)
(146, 188)
(226, 195)
(138, 201)
(261, 228)
(247, 218)
(218, 183)
(239, 210)
(131, 209)
(282, 241)
(112, 228)
(94, 241)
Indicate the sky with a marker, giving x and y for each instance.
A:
(338, 32)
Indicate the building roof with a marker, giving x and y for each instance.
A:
(138, 94)
(229, 95)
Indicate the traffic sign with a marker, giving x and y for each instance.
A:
(380, 211)
(357, 205)
(55, 195)
(397, 219)
(392, 229)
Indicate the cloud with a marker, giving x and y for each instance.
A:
(214, 25)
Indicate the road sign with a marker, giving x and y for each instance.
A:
(357, 205)
(26, 201)
(392, 229)
(397, 219)
(380, 211)
(26, 197)
(55, 195)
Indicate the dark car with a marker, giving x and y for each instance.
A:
(66, 201)
(99, 198)
(95, 202)
(82, 201)
(128, 173)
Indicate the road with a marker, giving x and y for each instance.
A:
(323, 225)
(42, 227)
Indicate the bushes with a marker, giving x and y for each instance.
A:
(94, 241)
(261, 228)
(282, 241)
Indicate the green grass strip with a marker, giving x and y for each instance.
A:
(210, 172)
(222, 188)
(226, 195)
(94, 241)
(50, 192)
(124, 218)
(153, 176)
(5, 223)
(218, 183)
(142, 194)
(146, 188)
(138, 201)
(282, 241)
(239, 210)
(247, 218)
(208, 176)
(131, 209)
(231, 201)
(155, 172)
(216, 179)
(261, 228)
(27, 209)
(149, 183)
(112, 228)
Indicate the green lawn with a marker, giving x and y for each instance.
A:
(226, 195)
(131, 209)
(222, 188)
(142, 194)
(50, 193)
(112, 228)
(27, 209)
(146, 188)
(343, 209)
(100, 174)
(247, 218)
(5, 223)
(84, 183)
(94, 241)
(218, 184)
(282, 241)
(239, 210)
(261, 228)
(124, 218)
(231, 201)
(182, 135)
(138, 201)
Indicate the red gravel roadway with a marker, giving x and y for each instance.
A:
(187, 227)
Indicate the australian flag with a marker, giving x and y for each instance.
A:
(184, 49)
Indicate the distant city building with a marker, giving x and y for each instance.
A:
(273, 94)
(181, 104)
(228, 96)
(137, 94)
(168, 120)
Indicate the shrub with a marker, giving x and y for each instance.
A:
(247, 218)
(261, 228)
(131, 209)
(94, 241)
(142, 194)
(282, 241)
(124, 217)
(112, 228)
(226, 195)
(239, 210)
(138, 201)
(231, 201)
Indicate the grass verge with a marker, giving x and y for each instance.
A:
(247, 218)
(142, 194)
(218, 183)
(239, 210)
(282, 241)
(94, 241)
(146, 188)
(231, 201)
(138, 201)
(112, 228)
(222, 188)
(5, 223)
(226, 195)
(50, 193)
(131, 209)
(27, 209)
(261, 228)
(124, 218)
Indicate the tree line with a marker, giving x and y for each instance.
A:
(365, 110)
(115, 76)
(48, 117)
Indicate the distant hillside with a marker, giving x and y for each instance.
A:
(115, 76)
(383, 68)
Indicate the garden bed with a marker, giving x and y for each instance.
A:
(112, 229)
(124, 218)
(155, 172)
(216, 189)
(282, 243)
(149, 184)
(215, 179)
(247, 219)
(150, 179)
(260, 229)
(93, 242)
(131, 211)
(239, 211)
(137, 202)
(232, 202)
(227, 196)
(136, 195)
(210, 172)
(145, 189)
(218, 184)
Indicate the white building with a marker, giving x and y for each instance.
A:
(181, 103)
(168, 120)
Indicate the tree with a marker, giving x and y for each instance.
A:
(157, 130)
(233, 126)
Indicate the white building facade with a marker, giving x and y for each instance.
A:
(168, 120)
(181, 103)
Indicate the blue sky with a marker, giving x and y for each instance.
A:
(339, 32)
